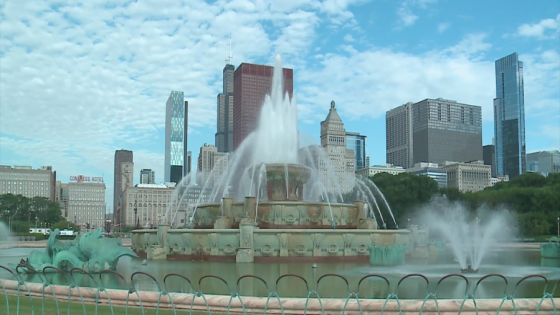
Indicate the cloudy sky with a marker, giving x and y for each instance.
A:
(80, 79)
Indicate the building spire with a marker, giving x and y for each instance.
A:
(229, 55)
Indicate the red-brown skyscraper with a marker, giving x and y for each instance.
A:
(251, 83)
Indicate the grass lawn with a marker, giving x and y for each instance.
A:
(75, 308)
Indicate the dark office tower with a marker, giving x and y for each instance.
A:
(175, 136)
(251, 83)
(357, 143)
(489, 156)
(185, 166)
(189, 161)
(121, 156)
(398, 124)
(224, 134)
(509, 117)
(147, 176)
(445, 130)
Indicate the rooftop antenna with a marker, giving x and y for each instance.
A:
(229, 55)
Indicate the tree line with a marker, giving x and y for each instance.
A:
(21, 213)
(533, 199)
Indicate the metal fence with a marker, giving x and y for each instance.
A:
(21, 297)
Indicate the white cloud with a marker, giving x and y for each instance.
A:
(80, 81)
(366, 84)
(406, 16)
(442, 27)
(348, 38)
(545, 29)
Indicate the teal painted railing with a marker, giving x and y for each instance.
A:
(22, 297)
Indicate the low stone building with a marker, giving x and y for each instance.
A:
(471, 176)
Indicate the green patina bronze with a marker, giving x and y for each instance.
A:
(91, 252)
(438, 244)
(393, 255)
(551, 249)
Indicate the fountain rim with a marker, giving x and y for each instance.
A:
(277, 202)
(290, 166)
(273, 231)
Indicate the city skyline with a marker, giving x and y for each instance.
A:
(128, 85)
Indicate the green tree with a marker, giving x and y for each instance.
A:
(17, 208)
(404, 193)
(64, 225)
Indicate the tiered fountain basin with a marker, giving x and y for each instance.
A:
(249, 244)
(278, 215)
(282, 228)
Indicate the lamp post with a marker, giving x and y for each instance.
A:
(558, 226)
(135, 210)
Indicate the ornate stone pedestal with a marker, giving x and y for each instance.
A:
(367, 224)
(421, 245)
(156, 252)
(222, 222)
(162, 236)
(246, 252)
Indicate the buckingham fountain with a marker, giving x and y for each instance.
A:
(275, 201)
(282, 204)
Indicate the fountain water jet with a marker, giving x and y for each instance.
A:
(470, 239)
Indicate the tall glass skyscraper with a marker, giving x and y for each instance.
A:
(357, 143)
(509, 117)
(175, 137)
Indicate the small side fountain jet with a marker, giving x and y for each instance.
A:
(469, 269)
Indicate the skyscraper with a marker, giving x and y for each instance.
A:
(357, 143)
(434, 131)
(398, 125)
(185, 165)
(176, 126)
(445, 130)
(189, 162)
(121, 156)
(509, 117)
(251, 84)
(224, 134)
(333, 140)
(147, 176)
(489, 157)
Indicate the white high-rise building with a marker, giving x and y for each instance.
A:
(86, 204)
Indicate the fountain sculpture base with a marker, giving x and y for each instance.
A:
(469, 269)
(388, 255)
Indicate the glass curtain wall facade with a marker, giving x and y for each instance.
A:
(175, 141)
(357, 143)
(224, 134)
(509, 117)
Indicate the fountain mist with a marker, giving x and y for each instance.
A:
(4, 232)
(470, 236)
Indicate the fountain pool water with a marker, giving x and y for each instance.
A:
(272, 200)
(512, 263)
